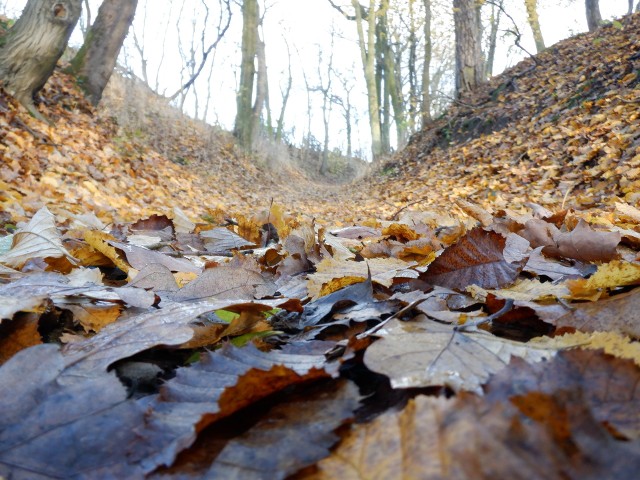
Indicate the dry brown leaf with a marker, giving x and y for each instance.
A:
(383, 271)
(478, 258)
(38, 239)
(423, 353)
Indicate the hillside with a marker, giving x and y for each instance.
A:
(565, 123)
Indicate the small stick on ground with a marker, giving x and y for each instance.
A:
(508, 305)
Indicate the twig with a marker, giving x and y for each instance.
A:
(400, 312)
(508, 305)
(395, 215)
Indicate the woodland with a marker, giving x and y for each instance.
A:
(461, 302)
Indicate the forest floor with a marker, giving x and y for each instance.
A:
(479, 288)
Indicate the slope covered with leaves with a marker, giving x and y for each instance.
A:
(565, 123)
(263, 344)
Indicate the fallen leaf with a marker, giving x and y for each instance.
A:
(423, 353)
(226, 282)
(38, 239)
(619, 314)
(609, 275)
(609, 385)
(478, 259)
(291, 436)
(586, 244)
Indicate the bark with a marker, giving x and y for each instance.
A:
(391, 75)
(534, 23)
(496, 12)
(426, 69)
(30, 50)
(285, 95)
(630, 10)
(469, 61)
(262, 90)
(244, 114)
(96, 59)
(594, 19)
(325, 89)
(367, 54)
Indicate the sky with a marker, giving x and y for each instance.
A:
(307, 27)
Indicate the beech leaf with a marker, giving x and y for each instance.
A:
(38, 239)
(422, 353)
(477, 258)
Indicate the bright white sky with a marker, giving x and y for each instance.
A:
(306, 24)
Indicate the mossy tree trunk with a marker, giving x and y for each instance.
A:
(96, 59)
(30, 50)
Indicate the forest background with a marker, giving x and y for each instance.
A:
(312, 53)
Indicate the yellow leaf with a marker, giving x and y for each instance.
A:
(610, 275)
(98, 240)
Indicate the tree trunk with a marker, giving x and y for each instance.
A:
(262, 91)
(494, 21)
(285, 96)
(30, 50)
(367, 53)
(594, 19)
(534, 23)
(244, 114)
(469, 62)
(95, 61)
(426, 68)
(630, 10)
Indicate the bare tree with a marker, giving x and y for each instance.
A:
(469, 61)
(494, 25)
(344, 102)
(31, 48)
(426, 68)
(594, 19)
(96, 59)
(324, 88)
(534, 23)
(224, 20)
(244, 114)
(286, 91)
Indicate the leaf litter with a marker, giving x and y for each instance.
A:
(467, 332)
